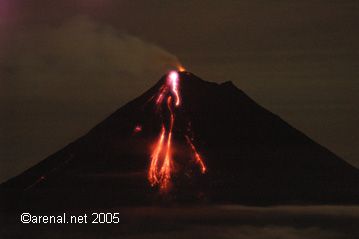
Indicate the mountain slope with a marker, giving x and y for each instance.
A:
(252, 157)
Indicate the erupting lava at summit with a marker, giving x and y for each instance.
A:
(161, 166)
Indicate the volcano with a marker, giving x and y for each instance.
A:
(220, 147)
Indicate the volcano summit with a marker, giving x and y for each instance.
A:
(189, 140)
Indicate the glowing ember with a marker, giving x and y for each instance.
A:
(137, 129)
(161, 165)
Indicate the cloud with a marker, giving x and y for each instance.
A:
(80, 55)
(57, 81)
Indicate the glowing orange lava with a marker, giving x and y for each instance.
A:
(153, 176)
(161, 165)
(181, 68)
(162, 174)
(196, 155)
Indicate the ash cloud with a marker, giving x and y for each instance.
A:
(57, 81)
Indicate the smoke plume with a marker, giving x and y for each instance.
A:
(58, 81)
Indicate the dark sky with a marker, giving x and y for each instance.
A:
(65, 65)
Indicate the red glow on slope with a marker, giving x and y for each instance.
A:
(196, 155)
(160, 97)
(153, 172)
(166, 166)
(161, 165)
(162, 174)
(137, 129)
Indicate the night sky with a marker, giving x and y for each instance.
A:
(66, 65)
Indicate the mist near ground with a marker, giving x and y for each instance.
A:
(221, 221)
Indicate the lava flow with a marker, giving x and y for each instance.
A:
(161, 166)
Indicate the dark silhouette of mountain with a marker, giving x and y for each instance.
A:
(252, 157)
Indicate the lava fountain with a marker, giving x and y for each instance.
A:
(161, 166)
